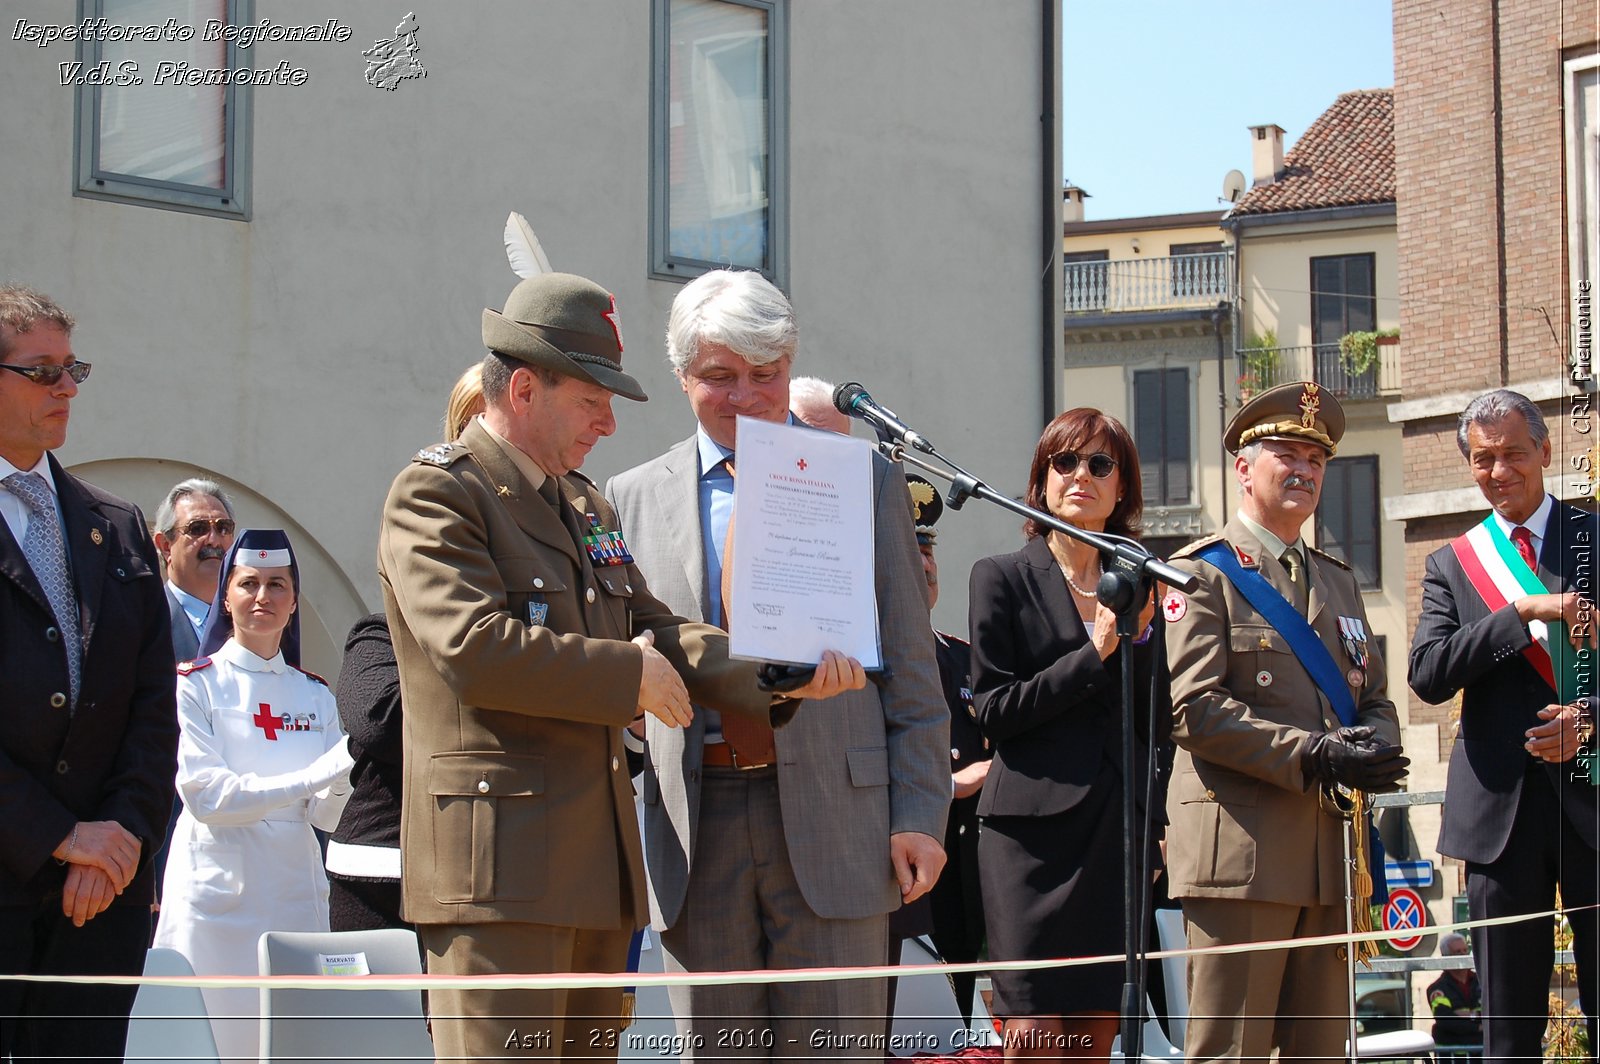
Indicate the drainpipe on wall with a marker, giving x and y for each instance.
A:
(1050, 205)
(1222, 310)
(1233, 228)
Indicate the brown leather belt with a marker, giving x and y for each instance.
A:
(721, 755)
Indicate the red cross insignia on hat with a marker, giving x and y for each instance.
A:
(1174, 606)
(261, 554)
(616, 326)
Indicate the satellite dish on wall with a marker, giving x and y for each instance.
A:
(1232, 186)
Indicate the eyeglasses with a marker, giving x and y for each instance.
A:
(199, 527)
(1100, 464)
(49, 375)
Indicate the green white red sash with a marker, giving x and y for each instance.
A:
(1499, 575)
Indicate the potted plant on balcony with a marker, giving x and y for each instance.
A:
(1261, 359)
(1358, 351)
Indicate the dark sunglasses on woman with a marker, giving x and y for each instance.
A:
(1100, 464)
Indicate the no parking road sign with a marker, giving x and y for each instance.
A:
(1404, 913)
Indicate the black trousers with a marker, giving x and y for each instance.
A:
(1514, 960)
(69, 1021)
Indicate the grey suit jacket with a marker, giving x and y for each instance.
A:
(852, 769)
(185, 645)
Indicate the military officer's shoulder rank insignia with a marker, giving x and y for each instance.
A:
(1199, 544)
(440, 454)
(187, 667)
(308, 672)
(1340, 562)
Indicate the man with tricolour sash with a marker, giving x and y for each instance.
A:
(1508, 621)
(1280, 716)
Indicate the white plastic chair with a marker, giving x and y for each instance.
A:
(1174, 971)
(927, 1017)
(349, 1026)
(169, 1024)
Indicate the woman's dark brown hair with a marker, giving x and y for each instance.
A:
(1071, 431)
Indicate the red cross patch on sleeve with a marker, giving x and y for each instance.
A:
(1174, 606)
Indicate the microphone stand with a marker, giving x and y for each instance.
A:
(1127, 573)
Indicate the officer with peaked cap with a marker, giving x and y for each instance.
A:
(526, 641)
(1251, 850)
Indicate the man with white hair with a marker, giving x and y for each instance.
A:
(783, 850)
(811, 401)
(1456, 999)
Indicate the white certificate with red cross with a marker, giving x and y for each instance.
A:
(802, 575)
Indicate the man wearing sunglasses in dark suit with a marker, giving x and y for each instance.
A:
(194, 529)
(88, 715)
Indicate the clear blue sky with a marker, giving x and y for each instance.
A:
(1158, 94)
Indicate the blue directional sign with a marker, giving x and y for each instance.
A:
(1409, 873)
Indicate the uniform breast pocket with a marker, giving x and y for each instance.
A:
(489, 827)
(535, 586)
(616, 588)
(1266, 651)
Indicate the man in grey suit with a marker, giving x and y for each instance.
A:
(194, 529)
(783, 850)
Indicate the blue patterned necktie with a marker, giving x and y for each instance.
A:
(47, 554)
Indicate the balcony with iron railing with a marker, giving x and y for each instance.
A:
(1261, 368)
(1176, 282)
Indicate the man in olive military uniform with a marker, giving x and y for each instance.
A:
(526, 640)
(1251, 850)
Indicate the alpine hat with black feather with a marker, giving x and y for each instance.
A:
(564, 323)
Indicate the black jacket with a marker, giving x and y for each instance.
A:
(369, 709)
(1050, 708)
(115, 756)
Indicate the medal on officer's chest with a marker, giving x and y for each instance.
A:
(1353, 635)
(603, 547)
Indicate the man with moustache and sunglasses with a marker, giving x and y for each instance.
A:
(194, 529)
(1278, 693)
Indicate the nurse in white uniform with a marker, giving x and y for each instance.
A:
(261, 758)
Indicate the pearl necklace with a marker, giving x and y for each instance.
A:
(1080, 592)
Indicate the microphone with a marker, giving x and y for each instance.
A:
(852, 399)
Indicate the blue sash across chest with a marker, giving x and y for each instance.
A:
(1303, 640)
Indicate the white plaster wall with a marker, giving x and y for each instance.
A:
(306, 354)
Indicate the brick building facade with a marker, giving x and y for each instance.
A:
(1490, 163)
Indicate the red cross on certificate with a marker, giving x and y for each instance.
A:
(802, 465)
(267, 721)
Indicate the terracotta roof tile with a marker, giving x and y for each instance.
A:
(1345, 159)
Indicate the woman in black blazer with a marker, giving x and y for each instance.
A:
(1047, 685)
